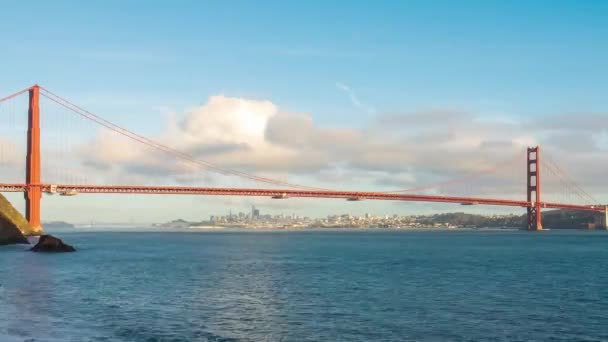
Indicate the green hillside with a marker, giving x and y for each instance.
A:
(12, 217)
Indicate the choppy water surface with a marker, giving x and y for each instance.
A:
(309, 286)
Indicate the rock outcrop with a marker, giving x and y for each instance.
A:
(49, 243)
(12, 217)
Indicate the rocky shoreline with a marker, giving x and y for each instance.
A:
(13, 226)
(14, 229)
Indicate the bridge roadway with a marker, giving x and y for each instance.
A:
(286, 193)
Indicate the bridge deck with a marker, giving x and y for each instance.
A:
(286, 193)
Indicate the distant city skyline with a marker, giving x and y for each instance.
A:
(354, 95)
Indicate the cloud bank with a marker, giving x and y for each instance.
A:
(394, 151)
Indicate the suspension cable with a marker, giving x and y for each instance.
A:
(166, 149)
(457, 180)
(14, 94)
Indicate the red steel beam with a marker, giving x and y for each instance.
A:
(285, 193)
(13, 188)
(32, 175)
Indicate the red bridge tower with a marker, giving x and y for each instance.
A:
(533, 177)
(32, 175)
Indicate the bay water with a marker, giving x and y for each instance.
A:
(318, 285)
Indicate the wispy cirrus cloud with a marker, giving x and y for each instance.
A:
(354, 99)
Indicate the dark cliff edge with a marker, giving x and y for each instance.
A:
(12, 224)
(10, 235)
(11, 217)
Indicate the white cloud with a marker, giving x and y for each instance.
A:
(397, 151)
(9, 155)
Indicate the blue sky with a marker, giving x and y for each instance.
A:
(344, 63)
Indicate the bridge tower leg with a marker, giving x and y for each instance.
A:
(32, 175)
(533, 188)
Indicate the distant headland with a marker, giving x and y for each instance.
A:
(57, 224)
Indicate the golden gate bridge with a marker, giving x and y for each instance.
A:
(33, 186)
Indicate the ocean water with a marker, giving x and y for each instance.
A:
(309, 286)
